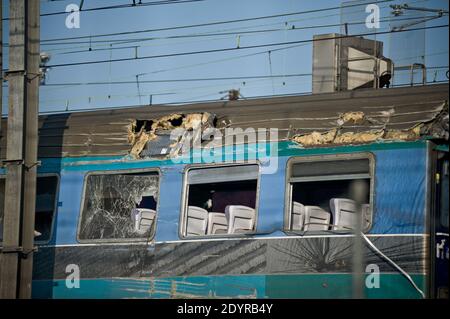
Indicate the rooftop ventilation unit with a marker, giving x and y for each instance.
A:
(343, 63)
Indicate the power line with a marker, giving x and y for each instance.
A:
(212, 61)
(212, 89)
(121, 6)
(179, 80)
(187, 90)
(293, 28)
(211, 100)
(208, 23)
(235, 48)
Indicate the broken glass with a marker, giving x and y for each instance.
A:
(110, 205)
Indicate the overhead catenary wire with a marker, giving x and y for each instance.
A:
(213, 62)
(105, 45)
(121, 6)
(211, 89)
(202, 24)
(176, 103)
(179, 80)
(286, 22)
(187, 66)
(199, 79)
(235, 48)
(211, 34)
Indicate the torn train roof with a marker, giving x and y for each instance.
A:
(344, 117)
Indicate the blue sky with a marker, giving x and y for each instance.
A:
(237, 63)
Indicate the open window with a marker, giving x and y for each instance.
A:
(46, 195)
(328, 192)
(119, 206)
(220, 200)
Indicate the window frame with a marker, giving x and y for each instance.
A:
(117, 240)
(325, 158)
(185, 199)
(55, 206)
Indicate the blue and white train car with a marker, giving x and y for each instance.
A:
(134, 215)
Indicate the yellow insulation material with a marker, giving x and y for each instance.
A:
(354, 117)
(138, 140)
(316, 138)
(361, 137)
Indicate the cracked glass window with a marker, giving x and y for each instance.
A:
(119, 206)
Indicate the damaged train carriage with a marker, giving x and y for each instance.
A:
(127, 198)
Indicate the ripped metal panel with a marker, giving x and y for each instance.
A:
(104, 132)
(152, 134)
(429, 123)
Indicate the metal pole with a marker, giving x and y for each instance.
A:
(31, 146)
(359, 188)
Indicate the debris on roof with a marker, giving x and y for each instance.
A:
(316, 138)
(142, 132)
(140, 141)
(354, 117)
(104, 132)
(436, 127)
(360, 137)
(409, 134)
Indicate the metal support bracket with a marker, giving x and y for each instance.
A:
(4, 163)
(14, 72)
(12, 161)
(38, 163)
(18, 250)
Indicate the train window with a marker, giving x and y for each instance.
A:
(119, 206)
(323, 192)
(220, 200)
(46, 190)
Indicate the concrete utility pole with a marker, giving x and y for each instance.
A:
(21, 152)
(1, 65)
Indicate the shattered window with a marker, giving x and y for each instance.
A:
(119, 206)
(46, 188)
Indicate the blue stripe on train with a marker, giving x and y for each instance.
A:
(400, 189)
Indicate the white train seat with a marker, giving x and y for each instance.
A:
(241, 219)
(197, 221)
(344, 212)
(217, 223)
(298, 216)
(143, 219)
(316, 218)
